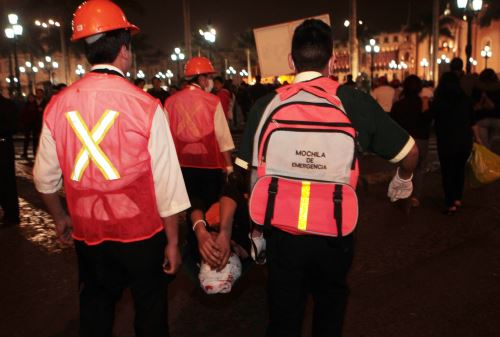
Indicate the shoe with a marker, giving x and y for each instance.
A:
(258, 248)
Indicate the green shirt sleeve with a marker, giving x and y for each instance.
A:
(244, 155)
(377, 132)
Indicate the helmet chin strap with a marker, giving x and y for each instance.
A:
(93, 38)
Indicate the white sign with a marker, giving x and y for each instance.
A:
(274, 45)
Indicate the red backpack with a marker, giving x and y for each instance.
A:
(307, 168)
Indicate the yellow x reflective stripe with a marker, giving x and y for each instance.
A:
(90, 142)
(304, 205)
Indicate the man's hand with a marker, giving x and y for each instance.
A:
(209, 250)
(172, 260)
(400, 188)
(64, 228)
(223, 242)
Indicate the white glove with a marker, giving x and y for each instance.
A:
(399, 188)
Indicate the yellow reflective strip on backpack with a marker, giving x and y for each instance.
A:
(304, 205)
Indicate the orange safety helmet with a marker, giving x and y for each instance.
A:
(99, 16)
(197, 66)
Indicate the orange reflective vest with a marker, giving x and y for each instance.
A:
(192, 113)
(101, 126)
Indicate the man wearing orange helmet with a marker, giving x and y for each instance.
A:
(105, 138)
(204, 144)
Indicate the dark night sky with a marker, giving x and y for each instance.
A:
(162, 20)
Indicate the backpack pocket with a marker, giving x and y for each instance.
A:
(304, 207)
(309, 153)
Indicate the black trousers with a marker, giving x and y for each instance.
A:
(29, 136)
(106, 269)
(453, 175)
(302, 265)
(8, 194)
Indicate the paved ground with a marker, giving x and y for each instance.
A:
(421, 274)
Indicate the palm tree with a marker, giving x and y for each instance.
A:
(423, 29)
(491, 12)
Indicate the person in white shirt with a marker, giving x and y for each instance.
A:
(384, 94)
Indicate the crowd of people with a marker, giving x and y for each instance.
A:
(132, 160)
(462, 109)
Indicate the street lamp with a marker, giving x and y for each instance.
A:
(243, 73)
(210, 35)
(473, 62)
(178, 56)
(486, 54)
(393, 66)
(49, 66)
(30, 70)
(64, 50)
(443, 59)
(140, 74)
(470, 8)
(169, 75)
(402, 66)
(80, 71)
(12, 32)
(424, 63)
(230, 71)
(372, 49)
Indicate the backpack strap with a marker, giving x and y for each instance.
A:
(337, 208)
(271, 199)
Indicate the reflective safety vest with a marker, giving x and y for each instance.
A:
(191, 114)
(101, 126)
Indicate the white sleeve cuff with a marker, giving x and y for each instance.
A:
(241, 163)
(404, 151)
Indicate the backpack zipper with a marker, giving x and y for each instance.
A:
(270, 117)
(339, 124)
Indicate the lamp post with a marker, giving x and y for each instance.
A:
(30, 70)
(49, 66)
(372, 49)
(402, 66)
(470, 9)
(486, 54)
(210, 35)
(443, 59)
(230, 71)
(424, 63)
(12, 82)
(80, 71)
(51, 23)
(393, 66)
(178, 56)
(243, 73)
(140, 74)
(12, 32)
(473, 62)
(169, 75)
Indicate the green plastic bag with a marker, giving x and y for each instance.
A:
(484, 166)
